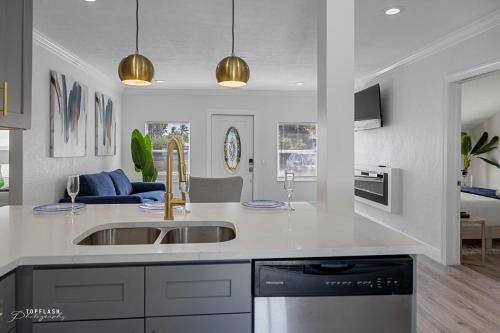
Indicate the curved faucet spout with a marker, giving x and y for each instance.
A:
(170, 200)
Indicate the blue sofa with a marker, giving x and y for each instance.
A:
(115, 188)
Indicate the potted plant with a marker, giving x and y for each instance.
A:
(142, 155)
(470, 153)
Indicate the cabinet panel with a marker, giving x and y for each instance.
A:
(230, 323)
(198, 289)
(7, 302)
(102, 326)
(91, 293)
(16, 24)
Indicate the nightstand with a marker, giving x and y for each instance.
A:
(474, 221)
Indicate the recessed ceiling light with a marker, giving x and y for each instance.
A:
(160, 81)
(299, 84)
(90, 0)
(393, 11)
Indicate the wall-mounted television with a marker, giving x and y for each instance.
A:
(368, 109)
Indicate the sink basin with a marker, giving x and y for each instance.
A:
(122, 236)
(199, 234)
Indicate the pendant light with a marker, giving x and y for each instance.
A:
(232, 71)
(136, 69)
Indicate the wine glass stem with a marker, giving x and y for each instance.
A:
(73, 205)
(289, 201)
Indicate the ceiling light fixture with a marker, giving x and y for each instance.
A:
(299, 84)
(90, 0)
(159, 81)
(232, 71)
(392, 11)
(136, 69)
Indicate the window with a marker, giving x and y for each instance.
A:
(161, 132)
(4, 160)
(297, 150)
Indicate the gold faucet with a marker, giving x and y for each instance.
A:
(170, 200)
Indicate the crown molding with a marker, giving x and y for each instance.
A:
(472, 30)
(218, 92)
(66, 55)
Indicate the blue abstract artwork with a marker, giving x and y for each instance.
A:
(105, 126)
(68, 116)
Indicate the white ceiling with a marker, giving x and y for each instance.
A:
(382, 40)
(186, 38)
(480, 100)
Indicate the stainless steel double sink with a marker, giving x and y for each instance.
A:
(181, 232)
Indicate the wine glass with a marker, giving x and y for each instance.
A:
(289, 185)
(184, 188)
(73, 187)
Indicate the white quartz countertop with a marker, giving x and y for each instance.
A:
(33, 239)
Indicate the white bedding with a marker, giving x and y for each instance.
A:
(478, 206)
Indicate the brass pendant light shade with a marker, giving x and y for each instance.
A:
(136, 69)
(232, 71)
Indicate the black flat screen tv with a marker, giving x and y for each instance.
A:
(368, 109)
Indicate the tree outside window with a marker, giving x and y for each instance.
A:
(297, 150)
(161, 132)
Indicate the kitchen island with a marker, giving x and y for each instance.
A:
(164, 284)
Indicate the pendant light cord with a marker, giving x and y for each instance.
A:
(232, 49)
(136, 26)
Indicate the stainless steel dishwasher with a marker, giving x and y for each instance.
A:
(338, 295)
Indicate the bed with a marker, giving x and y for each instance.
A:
(481, 206)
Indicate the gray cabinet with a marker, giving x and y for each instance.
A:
(16, 30)
(229, 323)
(91, 293)
(102, 326)
(7, 302)
(198, 289)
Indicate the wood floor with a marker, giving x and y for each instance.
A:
(459, 299)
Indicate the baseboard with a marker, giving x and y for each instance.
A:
(430, 251)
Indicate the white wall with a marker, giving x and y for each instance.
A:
(269, 109)
(413, 140)
(483, 174)
(44, 178)
(336, 106)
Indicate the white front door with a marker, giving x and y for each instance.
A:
(230, 158)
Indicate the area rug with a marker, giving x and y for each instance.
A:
(473, 247)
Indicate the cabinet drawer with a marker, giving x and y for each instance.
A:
(7, 302)
(198, 289)
(103, 326)
(91, 293)
(230, 323)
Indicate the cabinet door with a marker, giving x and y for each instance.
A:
(15, 61)
(7, 302)
(230, 323)
(198, 289)
(102, 326)
(91, 293)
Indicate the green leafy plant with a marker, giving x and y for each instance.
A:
(482, 147)
(142, 156)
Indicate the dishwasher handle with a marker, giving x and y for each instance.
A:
(326, 269)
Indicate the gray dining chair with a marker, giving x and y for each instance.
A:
(215, 189)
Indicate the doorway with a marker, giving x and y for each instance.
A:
(454, 164)
(232, 149)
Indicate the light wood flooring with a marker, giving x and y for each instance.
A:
(459, 299)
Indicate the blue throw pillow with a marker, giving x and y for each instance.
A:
(123, 186)
(98, 184)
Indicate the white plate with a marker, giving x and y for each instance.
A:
(263, 204)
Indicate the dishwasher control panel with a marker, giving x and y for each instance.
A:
(344, 276)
